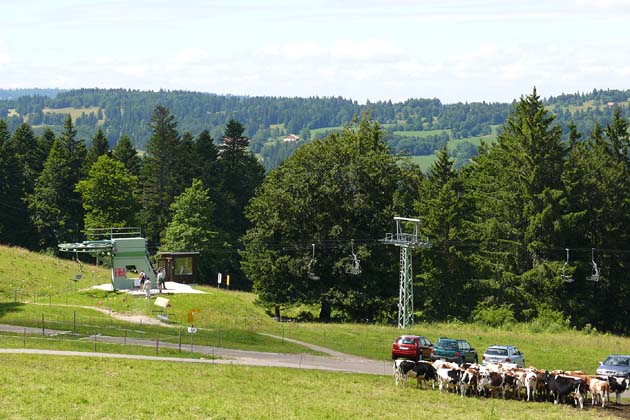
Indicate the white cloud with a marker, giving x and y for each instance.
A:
(371, 50)
(604, 4)
(5, 58)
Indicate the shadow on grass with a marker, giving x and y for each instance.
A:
(8, 307)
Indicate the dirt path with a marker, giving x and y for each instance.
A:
(133, 318)
(335, 361)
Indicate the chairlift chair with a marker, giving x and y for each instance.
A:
(564, 275)
(79, 275)
(309, 267)
(595, 273)
(355, 269)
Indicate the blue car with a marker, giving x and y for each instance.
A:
(615, 365)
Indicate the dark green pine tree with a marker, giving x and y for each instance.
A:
(618, 137)
(597, 181)
(233, 138)
(159, 180)
(31, 160)
(12, 187)
(445, 283)
(100, 147)
(27, 149)
(127, 154)
(239, 173)
(207, 153)
(517, 191)
(55, 207)
(188, 159)
(45, 142)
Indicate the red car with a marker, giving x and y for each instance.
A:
(414, 347)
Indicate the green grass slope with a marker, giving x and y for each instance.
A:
(233, 319)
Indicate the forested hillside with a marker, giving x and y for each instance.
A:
(415, 127)
(536, 230)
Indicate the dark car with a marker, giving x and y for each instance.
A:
(615, 365)
(454, 350)
(414, 347)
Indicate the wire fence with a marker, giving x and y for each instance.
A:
(67, 316)
(32, 333)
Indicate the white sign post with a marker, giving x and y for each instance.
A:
(219, 280)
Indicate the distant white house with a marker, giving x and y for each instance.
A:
(291, 137)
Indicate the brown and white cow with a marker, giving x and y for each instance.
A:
(491, 382)
(600, 390)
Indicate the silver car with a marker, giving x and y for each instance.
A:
(615, 365)
(503, 354)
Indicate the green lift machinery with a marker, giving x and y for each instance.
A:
(126, 249)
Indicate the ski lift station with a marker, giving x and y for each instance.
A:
(126, 249)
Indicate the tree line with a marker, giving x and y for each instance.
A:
(119, 112)
(517, 235)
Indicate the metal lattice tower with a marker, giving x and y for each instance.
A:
(406, 241)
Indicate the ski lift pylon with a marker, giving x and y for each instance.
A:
(564, 275)
(595, 272)
(309, 267)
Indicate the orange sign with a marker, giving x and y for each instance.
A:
(191, 314)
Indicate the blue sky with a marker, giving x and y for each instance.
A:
(454, 50)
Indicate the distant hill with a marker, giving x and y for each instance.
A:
(416, 127)
(13, 94)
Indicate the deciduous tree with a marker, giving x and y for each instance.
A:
(107, 195)
(193, 229)
(328, 193)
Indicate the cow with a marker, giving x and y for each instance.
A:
(599, 390)
(618, 384)
(511, 380)
(426, 372)
(422, 371)
(531, 383)
(449, 378)
(562, 386)
(438, 364)
(491, 382)
(403, 369)
(470, 379)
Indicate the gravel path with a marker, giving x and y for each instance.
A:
(335, 361)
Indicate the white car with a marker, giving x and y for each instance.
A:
(503, 354)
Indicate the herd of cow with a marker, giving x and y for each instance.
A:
(537, 385)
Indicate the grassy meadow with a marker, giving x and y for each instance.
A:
(40, 387)
(36, 288)
(75, 112)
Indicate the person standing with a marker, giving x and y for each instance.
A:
(142, 276)
(147, 287)
(160, 279)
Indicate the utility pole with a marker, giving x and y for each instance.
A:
(406, 241)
